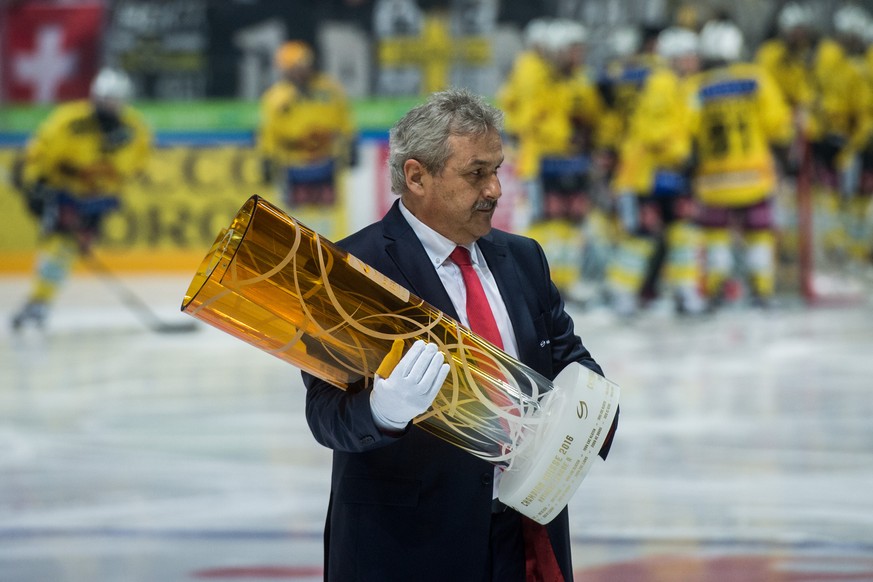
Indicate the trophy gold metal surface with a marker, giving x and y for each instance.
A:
(279, 286)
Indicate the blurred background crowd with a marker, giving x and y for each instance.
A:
(691, 154)
(176, 50)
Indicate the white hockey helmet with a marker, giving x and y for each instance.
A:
(624, 41)
(536, 33)
(564, 33)
(112, 85)
(677, 41)
(721, 41)
(574, 32)
(851, 20)
(794, 15)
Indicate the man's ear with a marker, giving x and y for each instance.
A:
(415, 175)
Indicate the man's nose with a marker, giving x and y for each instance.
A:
(492, 189)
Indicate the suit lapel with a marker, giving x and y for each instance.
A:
(409, 257)
(411, 260)
(511, 289)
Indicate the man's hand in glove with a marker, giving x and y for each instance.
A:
(410, 388)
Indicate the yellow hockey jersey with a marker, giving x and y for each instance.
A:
(556, 118)
(659, 133)
(841, 107)
(69, 151)
(621, 85)
(530, 72)
(298, 128)
(587, 110)
(740, 112)
(791, 72)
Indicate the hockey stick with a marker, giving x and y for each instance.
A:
(133, 301)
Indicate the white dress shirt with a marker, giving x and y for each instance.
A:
(438, 249)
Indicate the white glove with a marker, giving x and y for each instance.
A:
(410, 389)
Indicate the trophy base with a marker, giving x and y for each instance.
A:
(550, 466)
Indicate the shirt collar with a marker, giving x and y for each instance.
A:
(437, 247)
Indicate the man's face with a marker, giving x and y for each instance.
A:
(460, 201)
(686, 65)
(299, 74)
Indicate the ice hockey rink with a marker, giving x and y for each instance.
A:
(744, 453)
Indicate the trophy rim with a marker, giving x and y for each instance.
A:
(222, 251)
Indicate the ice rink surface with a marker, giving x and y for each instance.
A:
(744, 452)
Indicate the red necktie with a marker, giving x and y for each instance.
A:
(478, 309)
(541, 565)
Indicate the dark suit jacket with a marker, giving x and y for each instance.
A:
(412, 507)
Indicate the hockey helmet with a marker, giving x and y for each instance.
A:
(293, 54)
(624, 41)
(563, 34)
(574, 32)
(851, 20)
(721, 41)
(794, 15)
(112, 85)
(676, 41)
(536, 33)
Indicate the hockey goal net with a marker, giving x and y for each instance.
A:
(821, 240)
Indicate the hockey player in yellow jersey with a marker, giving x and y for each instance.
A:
(553, 108)
(631, 60)
(653, 202)
(839, 122)
(841, 127)
(788, 57)
(524, 87)
(741, 115)
(530, 71)
(561, 124)
(72, 175)
(306, 138)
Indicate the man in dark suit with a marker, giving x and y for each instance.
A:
(404, 504)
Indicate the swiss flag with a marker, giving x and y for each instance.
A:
(49, 52)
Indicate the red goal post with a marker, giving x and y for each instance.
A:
(806, 267)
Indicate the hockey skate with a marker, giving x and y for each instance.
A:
(33, 313)
(689, 302)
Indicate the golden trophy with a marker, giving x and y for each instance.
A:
(279, 286)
